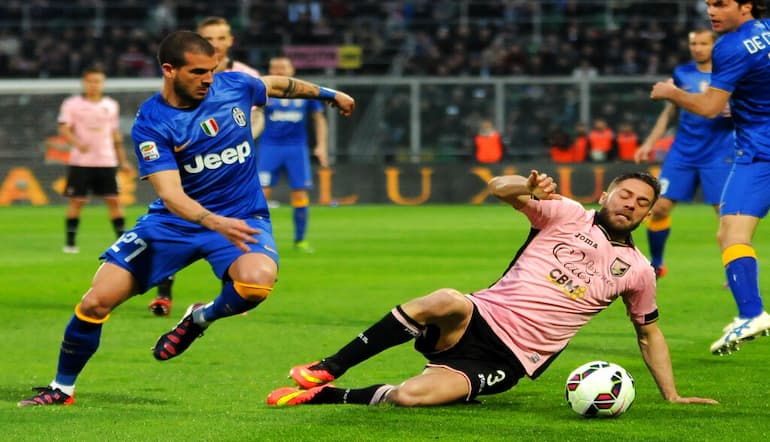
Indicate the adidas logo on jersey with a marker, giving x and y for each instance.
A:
(212, 161)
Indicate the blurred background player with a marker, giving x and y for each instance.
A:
(283, 146)
(217, 31)
(740, 75)
(700, 155)
(89, 123)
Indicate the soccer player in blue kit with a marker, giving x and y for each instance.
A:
(194, 145)
(283, 146)
(701, 153)
(740, 75)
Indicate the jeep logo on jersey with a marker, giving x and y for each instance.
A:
(239, 116)
(210, 127)
(212, 161)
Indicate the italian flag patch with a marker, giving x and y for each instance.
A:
(210, 127)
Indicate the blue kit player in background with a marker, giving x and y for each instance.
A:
(283, 146)
(701, 154)
(194, 145)
(740, 75)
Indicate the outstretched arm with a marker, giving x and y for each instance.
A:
(288, 87)
(655, 353)
(664, 119)
(516, 190)
(707, 104)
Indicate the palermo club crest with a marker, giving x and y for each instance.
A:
(619, 267)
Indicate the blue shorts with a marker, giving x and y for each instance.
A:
(294, 160)
(155, 249)
(746, 192)
(679, 182)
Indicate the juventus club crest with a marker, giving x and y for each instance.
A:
(619, 267)
(239, 116)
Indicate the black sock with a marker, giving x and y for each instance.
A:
(72, 230)
(363, 396)
(119, 225)
(386, 333)
(164, 288)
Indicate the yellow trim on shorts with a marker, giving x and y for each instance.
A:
(737, 251)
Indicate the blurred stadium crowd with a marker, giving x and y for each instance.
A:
(53, 39)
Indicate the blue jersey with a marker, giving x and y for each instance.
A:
(741, 66)
(210, 146)
(699, 140)
(286, 121)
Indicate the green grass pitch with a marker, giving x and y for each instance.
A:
(368, 259)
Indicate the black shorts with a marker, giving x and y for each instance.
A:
(100, 181)
(480, 356)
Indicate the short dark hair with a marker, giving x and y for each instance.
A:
(212, 20)
(174, 46)
(641, 176)
(758, 7)
(95, 68)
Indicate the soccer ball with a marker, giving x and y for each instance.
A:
(600, 389)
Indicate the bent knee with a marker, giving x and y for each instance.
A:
(252, 292)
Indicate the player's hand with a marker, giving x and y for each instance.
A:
(542, 186)
(643, 153)
(322, 155)
(663, 90)
(237, 231)
(694, 400)
(344, 102)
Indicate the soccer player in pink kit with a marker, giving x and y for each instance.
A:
(574, 264)
(217, 31)
(89, 123)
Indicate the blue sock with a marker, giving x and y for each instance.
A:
(228, 303)
(300, 222)
(657, 241)
(81, 339)
(743, 278)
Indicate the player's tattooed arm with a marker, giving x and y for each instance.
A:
(288, 87)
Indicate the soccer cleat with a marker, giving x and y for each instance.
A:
(739, 331)
(310, 375)
(303, 246)
(70, 250)
(176, 341)
(293, 395)
(48, 396)
(660, 271)
(160, 306)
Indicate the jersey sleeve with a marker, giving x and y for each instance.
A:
(314, 106)
(640, 301)
(677, 77)
(153, 150)
(65, 112)
(542, 213)
(729, 63)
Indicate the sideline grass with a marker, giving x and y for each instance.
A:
(369, 259)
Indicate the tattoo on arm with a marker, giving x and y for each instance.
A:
(289, 92)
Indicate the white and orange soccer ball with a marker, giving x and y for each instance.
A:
(600, 389)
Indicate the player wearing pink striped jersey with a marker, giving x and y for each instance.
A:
(89, 123)
(574, 264)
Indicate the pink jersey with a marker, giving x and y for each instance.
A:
(237, 66)
(93, 123)
(564, 275)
